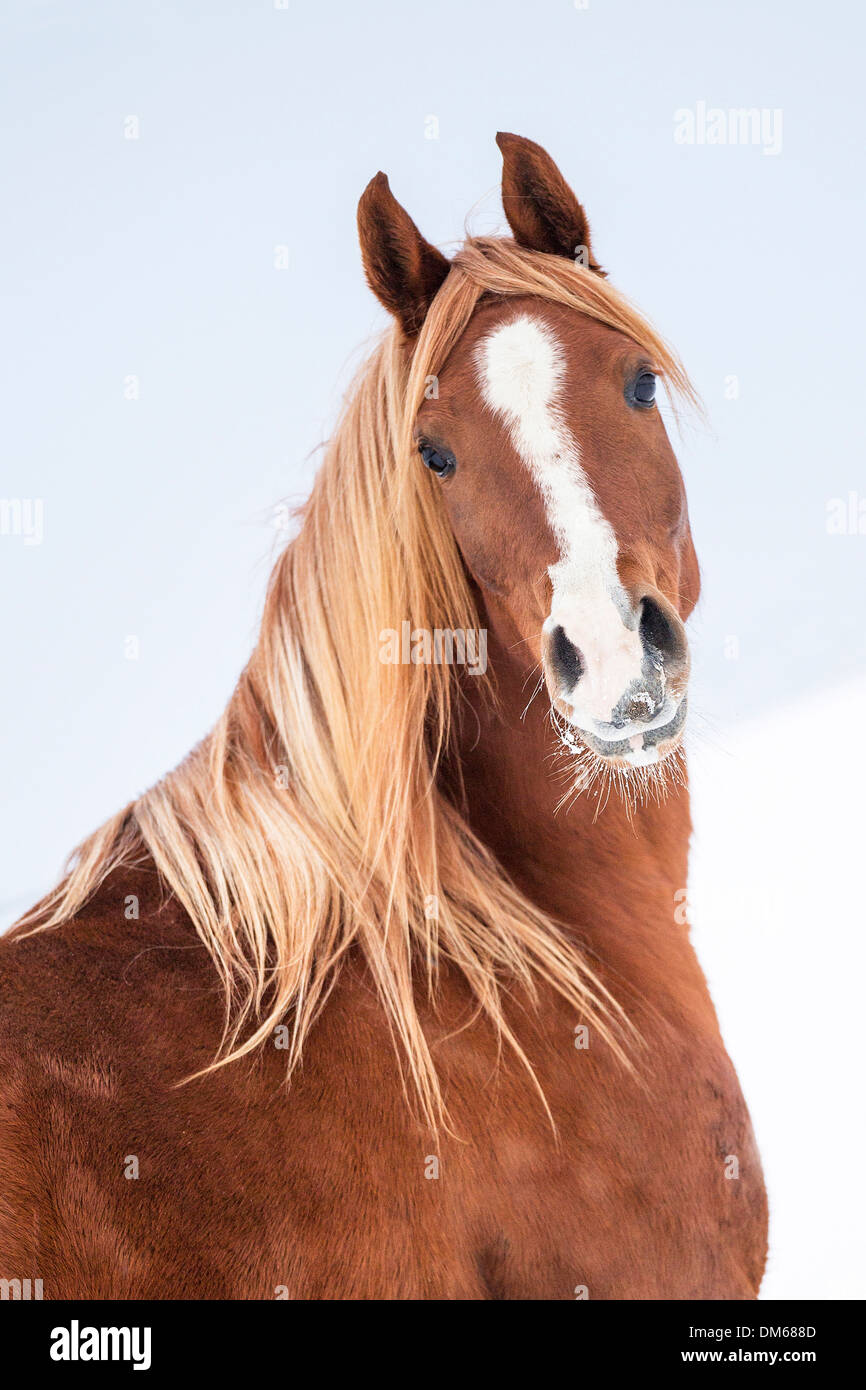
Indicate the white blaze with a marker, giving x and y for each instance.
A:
(522, 369)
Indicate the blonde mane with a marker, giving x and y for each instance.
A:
(310, 822)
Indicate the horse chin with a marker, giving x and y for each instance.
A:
(646, 749)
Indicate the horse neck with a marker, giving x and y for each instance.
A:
(594, 863)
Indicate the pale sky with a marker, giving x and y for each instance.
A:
(154, 258)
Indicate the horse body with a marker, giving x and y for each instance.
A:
(565, 1164)
(332, 1188)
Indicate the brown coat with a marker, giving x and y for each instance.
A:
(328, 1189)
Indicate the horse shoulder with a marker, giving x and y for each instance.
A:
(90, 1014)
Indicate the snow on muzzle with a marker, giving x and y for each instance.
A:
(617, 669)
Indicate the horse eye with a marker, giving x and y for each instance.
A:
(644, 389)
(437, 460)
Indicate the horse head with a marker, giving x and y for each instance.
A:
(554, 467)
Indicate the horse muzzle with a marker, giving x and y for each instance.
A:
(617, 669)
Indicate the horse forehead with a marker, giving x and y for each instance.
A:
(521, 366)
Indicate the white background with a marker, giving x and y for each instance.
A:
(154, 257)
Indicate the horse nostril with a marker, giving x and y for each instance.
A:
(565, 659)
(658, 631)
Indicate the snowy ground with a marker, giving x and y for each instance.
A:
(777, 906)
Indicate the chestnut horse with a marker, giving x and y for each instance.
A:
(385, 992)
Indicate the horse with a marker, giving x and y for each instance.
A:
(387, 992)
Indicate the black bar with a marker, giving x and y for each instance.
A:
(247, 1338)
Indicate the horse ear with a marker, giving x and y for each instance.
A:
(403, 270)
(542, 211)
